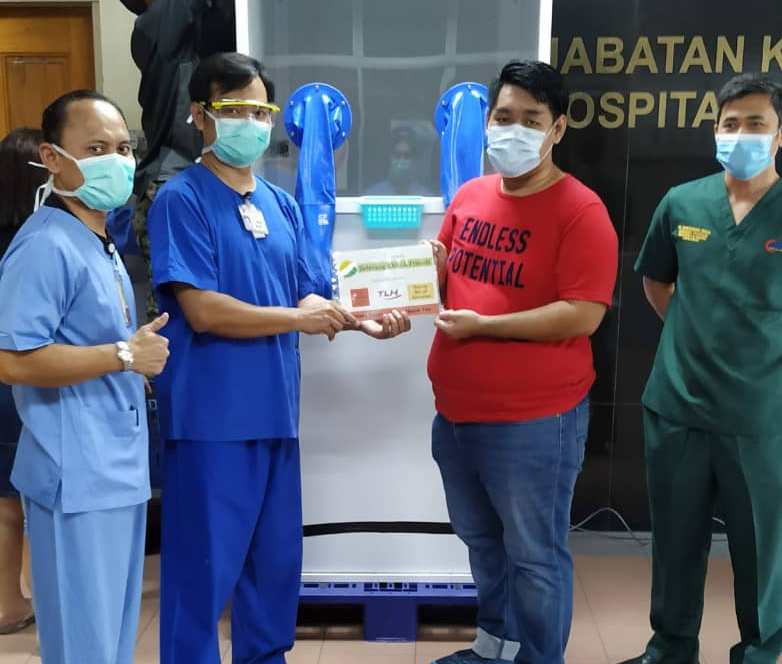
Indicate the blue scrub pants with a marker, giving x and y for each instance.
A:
(87, 573)
(509, 488)
(232, 532)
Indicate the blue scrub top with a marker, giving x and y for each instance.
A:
(214, 388)
(58, 285)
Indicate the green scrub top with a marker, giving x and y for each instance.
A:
(719, 363)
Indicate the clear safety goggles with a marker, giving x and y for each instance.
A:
(242, 109)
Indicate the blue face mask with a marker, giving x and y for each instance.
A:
(108, 181)
(240, 142)
(744, 155)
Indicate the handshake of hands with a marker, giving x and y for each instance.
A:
(320, 316)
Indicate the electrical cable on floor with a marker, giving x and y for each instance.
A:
(579, 527)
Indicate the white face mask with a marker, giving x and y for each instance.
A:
(514, 150)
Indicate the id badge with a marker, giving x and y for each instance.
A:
(253, 220)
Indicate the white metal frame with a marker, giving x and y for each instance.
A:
(242, 11)
(545, 19)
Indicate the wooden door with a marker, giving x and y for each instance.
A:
(44, 52)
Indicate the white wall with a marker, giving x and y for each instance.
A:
(117, 76)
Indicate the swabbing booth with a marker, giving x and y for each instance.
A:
(388, 99)
(376, 524)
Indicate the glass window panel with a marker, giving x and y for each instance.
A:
(392, 61)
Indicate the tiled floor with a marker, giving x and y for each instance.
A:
(610, 622)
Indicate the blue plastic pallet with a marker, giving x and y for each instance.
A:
(390, 609)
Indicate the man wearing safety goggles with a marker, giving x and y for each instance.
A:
(230, 262)
(242, 109)
(243, 127)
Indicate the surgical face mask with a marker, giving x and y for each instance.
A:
(744, 155)
(514, 150)
(240, 142)
(108, 181)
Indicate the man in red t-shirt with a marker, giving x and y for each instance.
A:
(527, 261)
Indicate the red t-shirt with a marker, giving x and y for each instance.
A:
(508, 254)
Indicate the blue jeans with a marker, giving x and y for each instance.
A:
(509, 488)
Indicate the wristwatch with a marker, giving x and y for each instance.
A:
(125, 355)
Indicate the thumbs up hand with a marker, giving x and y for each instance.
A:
(150, 350)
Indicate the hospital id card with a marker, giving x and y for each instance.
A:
(372, 282)
(253, 220)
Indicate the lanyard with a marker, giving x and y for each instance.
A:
(123, 302)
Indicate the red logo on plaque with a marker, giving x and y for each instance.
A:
(359, 297)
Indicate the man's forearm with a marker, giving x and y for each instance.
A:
(660, 304)
(58, 365)
(659, 295)
(225, 316)
(553, 322)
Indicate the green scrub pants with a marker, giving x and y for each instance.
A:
(690, 473)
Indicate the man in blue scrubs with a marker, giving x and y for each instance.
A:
(229, 263)
(69, 346)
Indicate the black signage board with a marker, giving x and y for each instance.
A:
(643, 76)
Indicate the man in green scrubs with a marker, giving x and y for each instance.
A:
(712, 270)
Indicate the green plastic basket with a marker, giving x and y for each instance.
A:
(391, 212)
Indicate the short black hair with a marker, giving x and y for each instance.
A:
(744, 85)
(55, 115)
(18, 179)
(223, 72)
(541, 80)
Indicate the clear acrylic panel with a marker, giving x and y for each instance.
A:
(392, 61)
